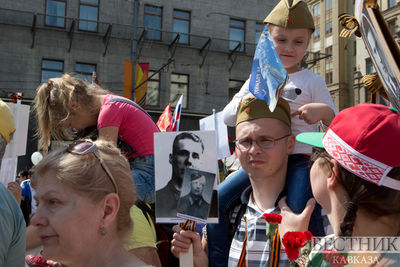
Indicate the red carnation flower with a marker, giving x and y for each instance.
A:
(272, 218)
(308, 235)
(293, 242)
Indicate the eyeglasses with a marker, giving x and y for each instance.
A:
(265, 143)
(84, 147)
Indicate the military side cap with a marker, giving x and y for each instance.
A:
(253, 108)
(291, 14)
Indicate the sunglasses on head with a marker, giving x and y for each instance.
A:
(84, 147)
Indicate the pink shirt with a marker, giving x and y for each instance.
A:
(135, 127)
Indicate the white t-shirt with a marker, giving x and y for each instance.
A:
(313, 90)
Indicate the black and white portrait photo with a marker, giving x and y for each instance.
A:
(380, 57)
(174, 153)
(197, 189)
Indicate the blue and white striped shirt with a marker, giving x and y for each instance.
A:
(258, 244)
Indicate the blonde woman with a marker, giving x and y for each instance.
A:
(84, 194)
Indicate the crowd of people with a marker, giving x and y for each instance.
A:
(93, 202)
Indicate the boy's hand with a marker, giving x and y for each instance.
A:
(314, 112)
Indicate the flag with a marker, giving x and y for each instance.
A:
(268, 76)
(177, 115)
(94, 78)
(142, 72)
(165, 121)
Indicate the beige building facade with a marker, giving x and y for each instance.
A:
(343, 61)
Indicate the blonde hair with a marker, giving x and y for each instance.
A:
(53, 105)
(85, 174)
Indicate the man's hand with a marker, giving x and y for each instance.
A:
(182, 241)
(16, 190)
(292, 221)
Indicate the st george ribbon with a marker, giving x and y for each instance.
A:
(268, 76)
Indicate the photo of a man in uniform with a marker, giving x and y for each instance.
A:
(194, 203)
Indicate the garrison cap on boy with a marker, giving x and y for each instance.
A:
(291, 14)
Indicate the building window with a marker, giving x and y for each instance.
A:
(55, 13)
(328, 28)
(328, 5)
(234, 87)
(328, 10)
(179, 86)
(392, 27)
(316, 68)
(236, 34)
(328, 72)
(328, 51)
(355, 48)
(88, 15)
(391, 3)
(317, 34)
(85, 71)
(328, 66)
(369, 66)
(153, 90)
(316, 11)
(152, 22)
(259, 29)
(51, 69)
(182, 25)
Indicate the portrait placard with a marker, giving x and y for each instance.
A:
(174, 153)
(382, 48)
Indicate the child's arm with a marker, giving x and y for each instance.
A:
(230, 110)
(109, 133)
(314, 112)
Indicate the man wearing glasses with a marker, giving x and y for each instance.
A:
(264, 142)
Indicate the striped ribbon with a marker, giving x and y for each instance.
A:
(188, 225)
(350, 26)
(275, 250)
(275, 255)
(242, 260)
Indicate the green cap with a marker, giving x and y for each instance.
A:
(311, 138)
(291, 14)
(253, 108)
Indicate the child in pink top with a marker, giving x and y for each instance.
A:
(67, 105)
